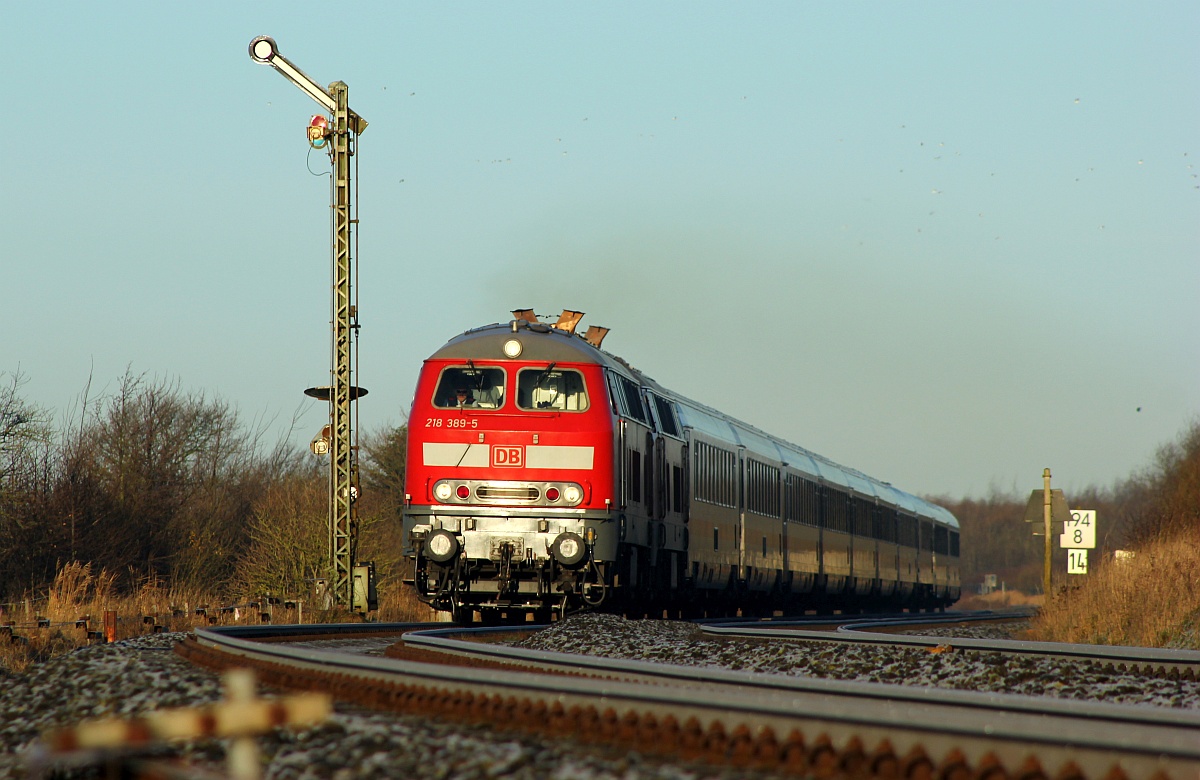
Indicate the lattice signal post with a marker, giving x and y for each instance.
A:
(340, 137)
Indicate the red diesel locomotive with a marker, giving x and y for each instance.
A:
(546, 475)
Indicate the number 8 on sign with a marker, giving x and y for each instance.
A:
(1079, 531)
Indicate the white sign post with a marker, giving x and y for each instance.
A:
(1078, 536)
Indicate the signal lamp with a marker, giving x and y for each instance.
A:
(573, 494)
(464, 492)
(442, 491)
(552, 494)
(318, 129)
(320, 443)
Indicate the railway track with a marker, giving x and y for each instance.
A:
(1172, 664)
(804, 726)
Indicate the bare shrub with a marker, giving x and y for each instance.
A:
(288, 545)
(157, 483)
(1170, 490)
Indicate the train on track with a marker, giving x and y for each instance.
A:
(545, 475)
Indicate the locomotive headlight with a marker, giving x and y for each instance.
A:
(441, 546)
(569, 549)
(442, 491)
(512, 349)
(572, 494)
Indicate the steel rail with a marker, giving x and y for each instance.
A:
(442, 640)
(1165, 662)
(757, 719)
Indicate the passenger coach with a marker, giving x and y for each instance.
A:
(546, 475)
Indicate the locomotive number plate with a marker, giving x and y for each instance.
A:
(452, 422)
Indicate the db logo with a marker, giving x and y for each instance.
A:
(512, 457)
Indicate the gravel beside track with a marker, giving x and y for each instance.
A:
(134, 676)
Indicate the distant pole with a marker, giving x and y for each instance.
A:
(343, 473)
(1046, 522)
(341, 451)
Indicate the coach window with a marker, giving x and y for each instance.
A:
(630, 399)
(666, 416)
(469, 387)
(551, 389)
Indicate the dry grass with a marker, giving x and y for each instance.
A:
(48, 624)
(1150, 600)
(78, 594)
(398, 604)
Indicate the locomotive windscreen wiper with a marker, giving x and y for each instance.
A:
(543, 376)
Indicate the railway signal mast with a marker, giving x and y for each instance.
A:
(340, 136)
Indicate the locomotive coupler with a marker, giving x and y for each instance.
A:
(504, 569)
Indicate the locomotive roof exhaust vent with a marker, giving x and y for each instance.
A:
(568, 320)
(595, 334)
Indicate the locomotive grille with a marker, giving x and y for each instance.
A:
(507, 493)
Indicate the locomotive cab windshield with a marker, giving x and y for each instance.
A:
(468, 386)
(551, 389)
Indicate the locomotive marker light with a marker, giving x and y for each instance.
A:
(343, 479)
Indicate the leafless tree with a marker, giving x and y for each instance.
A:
(27, 543)
(287, 546)
(161, 482)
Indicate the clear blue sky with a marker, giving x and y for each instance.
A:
(947, 243)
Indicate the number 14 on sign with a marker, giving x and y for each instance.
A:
(1077, 561)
